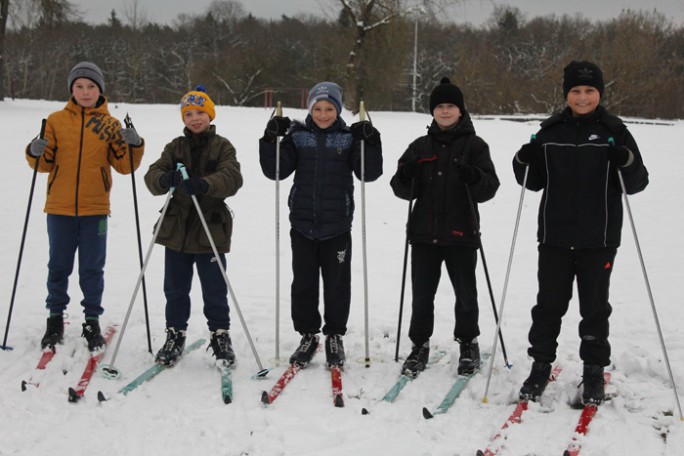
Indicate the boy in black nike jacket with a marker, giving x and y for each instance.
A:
(576, 158)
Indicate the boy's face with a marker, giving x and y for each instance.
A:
(583, 100)
(324, 114)
(196, 121)
(446, 115)
(85, 92)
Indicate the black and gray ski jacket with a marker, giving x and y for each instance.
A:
(581, 204)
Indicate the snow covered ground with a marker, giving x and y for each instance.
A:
(180, 412)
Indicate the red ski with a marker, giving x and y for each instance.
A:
(267, 397)
(582, 427)
(336, 374)
(76, 393)
(515, 418)
(45, 358)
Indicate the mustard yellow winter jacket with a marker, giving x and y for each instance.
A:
(84, 144)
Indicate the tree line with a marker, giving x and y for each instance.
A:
(509, 65)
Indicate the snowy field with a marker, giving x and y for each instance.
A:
(181, 413)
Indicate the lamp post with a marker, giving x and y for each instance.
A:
(415, 64)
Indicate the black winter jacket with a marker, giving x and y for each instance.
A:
(321, 199)
(442, 214)
(581, 206)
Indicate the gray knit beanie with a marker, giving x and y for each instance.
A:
(86, 70)
(326, 91)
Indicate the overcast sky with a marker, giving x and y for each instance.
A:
(474, 11)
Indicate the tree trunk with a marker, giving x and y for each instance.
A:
(4, 8)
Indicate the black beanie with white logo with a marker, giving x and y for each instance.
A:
(582, 74)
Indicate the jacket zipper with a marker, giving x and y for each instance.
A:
(80, 156)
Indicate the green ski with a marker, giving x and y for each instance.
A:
(150, 373)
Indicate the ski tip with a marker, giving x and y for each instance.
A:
(73, 395)
(364, 411)
(264, 398)
(23, 385)
(227, 399)
(101, 397)
(426, 414)
(339, 401)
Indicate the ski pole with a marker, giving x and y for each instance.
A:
(648, 289)
(486, 272)
(109, 370)
(129, 124)
(23, 239)
(403, 271)
(505, 287)
(362, 117)
(278, 113)
(262, 372)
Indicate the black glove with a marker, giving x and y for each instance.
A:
(468, 174)
(171, 178)
(195, 185)
(364, 130)
(529, 152)
(275, 127)
(618, 155)
(131, 137)
(410, 168)
(37, 147)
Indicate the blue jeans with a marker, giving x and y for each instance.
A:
(178, 272)
(88, 235)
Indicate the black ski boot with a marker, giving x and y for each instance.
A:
(535, 384)
(93, 334)
(173, 347)
(469, 359)
(594, 385)
(307, 347)
(417, 359)
(223, 348)
(334, 351)
(54, 334)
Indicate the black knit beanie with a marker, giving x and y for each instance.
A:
(446, 92)
(582, 73)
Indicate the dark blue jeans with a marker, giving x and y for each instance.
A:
(178, 272)
(88, 235)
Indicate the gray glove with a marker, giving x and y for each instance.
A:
(131, 137)
(37, 147)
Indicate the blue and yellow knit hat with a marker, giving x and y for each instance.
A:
(198, 99)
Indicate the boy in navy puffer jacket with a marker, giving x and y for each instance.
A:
(322, 153)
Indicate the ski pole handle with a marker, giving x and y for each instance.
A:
(128, 122)
(279, 109)
(42, 128)
(362, 111)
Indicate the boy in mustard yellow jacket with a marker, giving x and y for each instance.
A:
(82, 143)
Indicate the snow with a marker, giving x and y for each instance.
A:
(181, 413)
